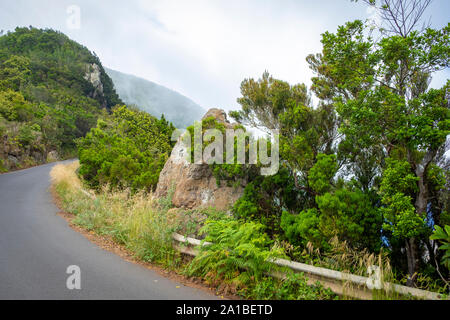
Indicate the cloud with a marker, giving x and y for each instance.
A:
(373, 16)
(200, 48)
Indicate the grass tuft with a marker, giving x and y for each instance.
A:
(136, 220)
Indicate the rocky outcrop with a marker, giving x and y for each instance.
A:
(14, 155)
(92, 75)
(194, 185)
(220, 116)
(52, 156)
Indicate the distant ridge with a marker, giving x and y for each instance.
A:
(156, 99)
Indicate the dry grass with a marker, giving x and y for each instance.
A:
(65, 174)
(344, 258)
(136, 221)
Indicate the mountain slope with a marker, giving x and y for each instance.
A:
(156, 99)
(52, 90)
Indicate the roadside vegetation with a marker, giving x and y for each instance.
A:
(45, 100)
(127, 149)
(365, 168)
(363, 174)
(136, 221)
(236, 264)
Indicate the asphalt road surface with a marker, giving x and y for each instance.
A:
(37, 246)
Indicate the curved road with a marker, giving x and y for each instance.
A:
(37, 246)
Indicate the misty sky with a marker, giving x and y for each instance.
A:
(202, 49)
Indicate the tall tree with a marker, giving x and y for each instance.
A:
(380, 89)
(400, 17)
(305, 131)
(263, 100)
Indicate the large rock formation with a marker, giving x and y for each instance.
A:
(194, 184)
(93, 75)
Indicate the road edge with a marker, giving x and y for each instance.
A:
(108, 244)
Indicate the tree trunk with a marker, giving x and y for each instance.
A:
(420, 171)
(420, 205)
(413, 261)
(422, 195)
(430, 249)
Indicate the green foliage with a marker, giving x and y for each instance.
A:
(306, 182)
(293, 287)
(53, 59)
(238, 255)
(397, 186)
(201, 127)
(14, 107)
(264, 100)
(302, 228)
(345, 213)
(350, 215)
(28, 134)
(229, 171)
(377, 126)
(443, 235)
(265, 198)
(379, 87)
(322, 173)
(126, 150)
(238, 259)
(42, 84)
(14, 72)
(305, 132)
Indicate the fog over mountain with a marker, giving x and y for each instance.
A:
(156, 99)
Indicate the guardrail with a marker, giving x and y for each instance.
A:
(340, 283)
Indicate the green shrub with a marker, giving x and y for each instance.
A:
(264, 199)
(126, 150)
(238, 255)
(293, 287)
(14, 107)
(28, 134)
(238, 261)
(302, 228)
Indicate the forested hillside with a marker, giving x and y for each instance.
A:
(155, 99)
(52, 90)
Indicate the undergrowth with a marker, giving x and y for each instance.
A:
(136, 220)
(237, 262)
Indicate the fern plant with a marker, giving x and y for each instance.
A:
(238, 255)
(443, 235)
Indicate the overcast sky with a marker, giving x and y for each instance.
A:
(202, 49)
